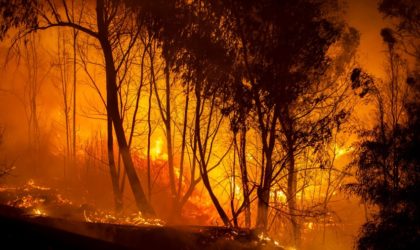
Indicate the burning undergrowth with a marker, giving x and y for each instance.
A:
(37, 200)
(48, 207)
(136, 219)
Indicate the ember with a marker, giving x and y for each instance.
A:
(135, 219)
(36, 199)
(39, 212)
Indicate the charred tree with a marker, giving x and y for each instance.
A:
(113, 110)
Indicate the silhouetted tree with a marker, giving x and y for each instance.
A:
(264, 55)
(233, 47)
(387, 160)
(388, 175)
(33, 16)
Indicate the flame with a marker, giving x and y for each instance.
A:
(38, 212)
(26, 201)
(135, 219)
(310, 225)
(340, 151)
(31, 185)
(249, 156)
(236, 188)
(156, 152)
(264, 237)
(278, 196)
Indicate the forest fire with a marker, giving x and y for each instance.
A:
(136, 219)
(36, 200)
(227, 124)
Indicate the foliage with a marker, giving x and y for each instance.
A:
(397, 225)
(387, 162)
(407, 11)
(17, 13)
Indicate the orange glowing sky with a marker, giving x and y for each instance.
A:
(365, 17)
(360, 14)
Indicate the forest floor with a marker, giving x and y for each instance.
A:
(39, 218)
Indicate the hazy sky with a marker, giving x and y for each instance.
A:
(365, 17)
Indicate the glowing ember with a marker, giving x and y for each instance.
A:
(135, 219)
(62, 200)
(266, 240)
(31, 184)
(38, 212)
(26, 201)
(264, 237)
(310, 225)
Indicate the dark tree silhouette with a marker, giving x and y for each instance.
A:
(388, 175)
(387, 161)
(32, 16)
(265, 57)
(263, 54)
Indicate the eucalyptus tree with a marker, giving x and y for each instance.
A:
(103, 25)
(386, 159)
(273, 51)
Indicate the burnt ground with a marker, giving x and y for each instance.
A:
(24, 222)
(20, 231)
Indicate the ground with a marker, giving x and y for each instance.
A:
(40, 217)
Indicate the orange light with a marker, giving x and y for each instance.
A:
(309, 225)
(156, 151)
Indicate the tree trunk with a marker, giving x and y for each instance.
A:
(177, 211)
(112, 170)
(262, 212)
(202, 160)
(268, 135)
(149, 136)
(113, 111)
(244, 176)
(183, 144)
(74, 93)
(291, 194)
(168, 128)
(263, 193)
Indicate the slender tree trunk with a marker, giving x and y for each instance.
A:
(113, 111)
(268, 130)
(112, 169)
(178, 209)
(64, 88)
(232, 191)
(263, 193)
(168, 128)
(244, 176)
(149, 136)
(183, 144)
(291, 194)
(74, 93)
(193, 166)
(202, 160)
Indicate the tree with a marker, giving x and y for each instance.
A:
(274, 71)
(387, 174)
(249, 47)
(387, 169)
(6, 166)
(32, 16)
(64, 88)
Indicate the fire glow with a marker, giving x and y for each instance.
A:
(244, 121)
